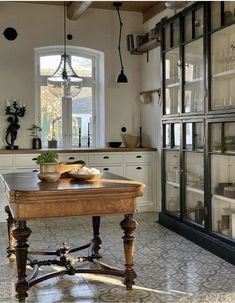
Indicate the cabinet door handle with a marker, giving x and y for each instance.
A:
(35, 171)
(106, 157)
(138, 167)
(106, 168)
(71, 158)
(34, 159)
(138, 156)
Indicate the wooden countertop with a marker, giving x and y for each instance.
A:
(77, 150)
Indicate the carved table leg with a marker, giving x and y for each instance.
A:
(96, 240)
(11, 240)
(21, 233)
(128, 224)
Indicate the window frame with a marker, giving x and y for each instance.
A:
(97, 84)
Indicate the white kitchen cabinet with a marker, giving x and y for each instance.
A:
(105, 158)
(26, 160)
(139, 166)
(111, 162)
(72, 157)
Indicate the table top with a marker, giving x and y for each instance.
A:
(30, 198)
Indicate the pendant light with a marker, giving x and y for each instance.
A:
(65, 82)
(122, 77)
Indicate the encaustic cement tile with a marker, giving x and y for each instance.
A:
(170, 269)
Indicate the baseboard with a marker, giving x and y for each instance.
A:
(145, 206)
(203, 239)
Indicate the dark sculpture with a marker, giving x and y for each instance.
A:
(11, 131)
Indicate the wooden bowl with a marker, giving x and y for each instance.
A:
(86, 177)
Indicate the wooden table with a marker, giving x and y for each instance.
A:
(31, 199)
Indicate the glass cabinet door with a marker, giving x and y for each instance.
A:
(172, 197)
(222, 137)
(194, 187)
(193, 75)
(194, 172)
(223, 68)
(172, 82)
(171, 59)
(223, 194)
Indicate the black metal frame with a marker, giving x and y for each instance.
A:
(204, 236)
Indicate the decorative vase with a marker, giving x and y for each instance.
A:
(37, 143)
(52, 143)
(49, 172)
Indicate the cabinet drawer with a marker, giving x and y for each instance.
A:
(117, 170)
(141, 173)
(6, 161)
(139, 157)
(105, 158)
(27, 170)
(73, 157)
(28, 160)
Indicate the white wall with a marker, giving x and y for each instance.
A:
(151, 113)
(42, 25)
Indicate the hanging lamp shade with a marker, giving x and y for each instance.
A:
(65, 82)
(121, 77)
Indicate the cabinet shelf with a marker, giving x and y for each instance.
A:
(195, 190)
(223, 198)
(196, 80)
(176, 84)
(173, 183)
(144, 48)
(222, 75)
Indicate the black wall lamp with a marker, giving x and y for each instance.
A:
(122, 77)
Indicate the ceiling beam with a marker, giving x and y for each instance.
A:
(153, 11)
(77, 8)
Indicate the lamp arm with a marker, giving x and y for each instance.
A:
(64, 75)
(120, 35)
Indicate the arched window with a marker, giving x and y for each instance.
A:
(65, 118)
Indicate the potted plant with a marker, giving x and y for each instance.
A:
(35, 133)
(49, 166)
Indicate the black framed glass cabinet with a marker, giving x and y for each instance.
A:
(198, 125)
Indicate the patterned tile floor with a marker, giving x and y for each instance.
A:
(169, 267)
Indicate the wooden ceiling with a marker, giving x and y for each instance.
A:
(147, 8)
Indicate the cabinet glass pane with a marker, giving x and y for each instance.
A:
(188, 28)
(189, 136)
(223, 195)
(167, 128)
(172, 181)
(176, 142)
(172, 82)
(229, 7)
(193, 72)
(194, 195)
(176, 33)
(198, 23)
(223, 68)
(199, 136)
(167, 37)
(229, 137)
(215, 137)
(215, 14)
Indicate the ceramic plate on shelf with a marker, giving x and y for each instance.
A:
(86, 177)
